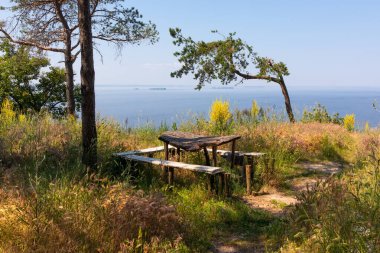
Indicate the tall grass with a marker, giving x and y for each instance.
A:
(49, 204)
(341, 214)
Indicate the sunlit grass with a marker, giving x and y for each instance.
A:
(49, 203)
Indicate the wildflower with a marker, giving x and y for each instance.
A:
(349, 122)
(220, 115)
(255, 109)
(7, 113)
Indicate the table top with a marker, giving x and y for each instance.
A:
(194, 142)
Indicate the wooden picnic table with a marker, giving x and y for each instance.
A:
(182, 141)
(193, 142)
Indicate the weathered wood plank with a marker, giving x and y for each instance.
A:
(146, 151)
(254, 154)
(214, 156)
(207, 157)
(248, 172)
(194, 142)
(237, 153)
(178, 165)
(233, 147)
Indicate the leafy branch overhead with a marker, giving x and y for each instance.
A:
(226, 60)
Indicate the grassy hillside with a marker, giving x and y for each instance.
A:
(49, 204)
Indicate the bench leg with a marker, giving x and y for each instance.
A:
(171, 176)
(248, 173)
(211, 183)
(266, 172)
(272, 167)
(178, 154)
(220, 183)
(233, 147)
(166, 170)
(242, 172)
(227, 184)
(214, 156)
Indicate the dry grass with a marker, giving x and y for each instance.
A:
(47, 205)
(78, 218)
(305, 140)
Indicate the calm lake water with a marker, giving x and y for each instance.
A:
(140, 105)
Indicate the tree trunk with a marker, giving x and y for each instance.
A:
(69, 73)
(89, 136)
(288, 105)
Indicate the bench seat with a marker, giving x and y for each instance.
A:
(179, 165)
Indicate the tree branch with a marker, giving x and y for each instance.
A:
(258, 77)
(32, 44)
(75, 56)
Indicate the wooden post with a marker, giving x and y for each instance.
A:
(273, 161)
(214, 156)
(242, 171)
(172, 151)
(149, 173)
(220, 183)
(266, 174)
(233, 153)
(166, 149)
(207, 156)
(211, 183)
(171, 169)
(254, 165)
(178, 154)
(248, 171)
(171, 176)
(227, 186)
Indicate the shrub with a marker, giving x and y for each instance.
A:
(320, 114)
(367, 128)
(7, 114)
(255, 109)
(220, 116)
(349, 122)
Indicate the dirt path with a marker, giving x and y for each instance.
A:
(277, 203)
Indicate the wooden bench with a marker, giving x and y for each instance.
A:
(247, 170)
(218, 179)
(178, 165)
(146, 151)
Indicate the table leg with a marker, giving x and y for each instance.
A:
(220, 183)
(214, 156)
(171, 170)
(233, 154)
(207, 156)
(211, 183)
(248, 173)
(227, 184)
(242, 171)
(178, 154)
(166, 149)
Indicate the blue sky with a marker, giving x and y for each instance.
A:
(325, 43)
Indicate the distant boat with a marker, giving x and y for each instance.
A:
(157, 88)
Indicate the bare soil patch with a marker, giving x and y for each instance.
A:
(277, 203)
